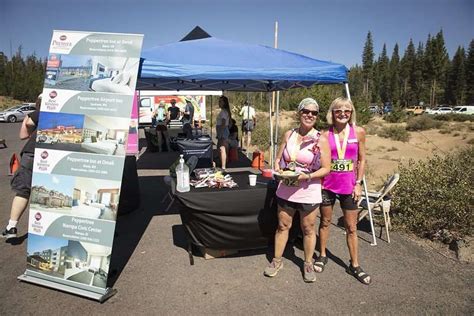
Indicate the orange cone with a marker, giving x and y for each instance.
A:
(14, 164)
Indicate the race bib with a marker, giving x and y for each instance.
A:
(342, 165)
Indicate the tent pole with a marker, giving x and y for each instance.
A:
(277, 119)
(271, 129)
(364, 181)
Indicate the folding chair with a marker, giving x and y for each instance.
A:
(379, 200)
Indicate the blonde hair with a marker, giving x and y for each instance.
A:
(339, 103)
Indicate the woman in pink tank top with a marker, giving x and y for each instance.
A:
(304, 150)
(347, 145)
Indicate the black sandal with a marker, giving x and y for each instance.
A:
(359, 274)
(320, 263)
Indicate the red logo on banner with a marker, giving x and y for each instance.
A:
(53, 94)
(38, 216)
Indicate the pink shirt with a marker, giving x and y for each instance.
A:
(343, 182)
(308, 159)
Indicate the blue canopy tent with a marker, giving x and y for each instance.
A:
(215, 64)
(203, 62)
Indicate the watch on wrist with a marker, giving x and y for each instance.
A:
(359, 182)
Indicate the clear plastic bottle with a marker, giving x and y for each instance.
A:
(182, 176)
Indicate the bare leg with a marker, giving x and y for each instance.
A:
(307, 222)
(223, 153)
(350, 222)
(249, 138)
(326, 215)
(19, 205)
(285, 219)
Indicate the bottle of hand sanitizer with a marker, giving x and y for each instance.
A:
(182, 176)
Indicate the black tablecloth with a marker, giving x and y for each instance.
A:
(237, 218)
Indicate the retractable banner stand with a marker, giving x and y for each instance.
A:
(81, 143)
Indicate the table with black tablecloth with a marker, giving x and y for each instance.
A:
(239, 218)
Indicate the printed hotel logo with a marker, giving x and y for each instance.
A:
(44, 154)
(53, 94)
(38, 216)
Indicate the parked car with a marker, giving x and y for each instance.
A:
(464, 109)
(17, 113)
(415, 110)
(431, 110)
(374, 109)
(387, 108)
(442, 110)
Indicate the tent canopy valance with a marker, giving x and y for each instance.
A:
(215, 64)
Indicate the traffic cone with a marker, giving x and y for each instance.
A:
(14, 164)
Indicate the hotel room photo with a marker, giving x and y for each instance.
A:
(91, 73)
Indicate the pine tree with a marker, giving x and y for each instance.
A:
(406, 73)
(418, 86)
(368, 65)
(436, 59)
(470, 74)
(455, 92)
(394, 92)
(383, 75)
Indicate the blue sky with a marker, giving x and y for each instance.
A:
(63, 184)
(329, 30)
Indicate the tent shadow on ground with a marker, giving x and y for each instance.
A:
(131, 226)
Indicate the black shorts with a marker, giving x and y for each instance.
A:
(21, 181)
(345, 200)
(293, 206)
(248, 125)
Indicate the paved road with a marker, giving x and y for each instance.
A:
(152, 273)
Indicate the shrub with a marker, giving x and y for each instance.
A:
(436, 195)
(421, 123)
(395, 132)
(454, 117)
(261, 134)
(397, 116)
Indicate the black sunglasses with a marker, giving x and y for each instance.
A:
(306, 112)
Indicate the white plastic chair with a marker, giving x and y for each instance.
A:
(379, 201)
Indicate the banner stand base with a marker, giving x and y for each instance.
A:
(69, 289)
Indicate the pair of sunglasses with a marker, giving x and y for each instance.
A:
(346, 112)
(306, 112)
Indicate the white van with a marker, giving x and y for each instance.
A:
(464, 109)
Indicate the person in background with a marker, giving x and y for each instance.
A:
(173, 111)
(233, 134)
(21, 181)
(161, 129)
(222, 129)
(344, 182)
(305, 151)
(249, 120)
(188, 119)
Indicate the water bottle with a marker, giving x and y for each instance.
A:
(182, 176)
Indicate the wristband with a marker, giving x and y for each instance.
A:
(359, 182)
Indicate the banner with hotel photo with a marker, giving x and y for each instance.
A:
(82, 139)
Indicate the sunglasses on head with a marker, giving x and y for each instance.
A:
(306, 112)
(346, 112)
